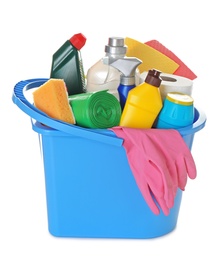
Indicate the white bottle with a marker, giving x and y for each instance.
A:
(102, 76)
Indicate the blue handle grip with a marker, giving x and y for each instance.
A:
(101, 135)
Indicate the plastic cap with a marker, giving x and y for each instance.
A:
(180, 98)
(116, 41)
(116, 46)
(78, 40)
(153, 78)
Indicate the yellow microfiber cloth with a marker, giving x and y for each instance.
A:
(52, 98)
(150, 57)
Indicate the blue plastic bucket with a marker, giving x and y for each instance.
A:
(90, 189)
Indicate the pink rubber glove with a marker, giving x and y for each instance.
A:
(160, 161)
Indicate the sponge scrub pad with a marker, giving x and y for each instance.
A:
(52, 98)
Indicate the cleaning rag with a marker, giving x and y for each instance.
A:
(96, 109)
(182, 70)
(160, 161)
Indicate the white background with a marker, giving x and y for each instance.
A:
(30, 33)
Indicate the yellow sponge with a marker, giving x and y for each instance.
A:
(52, 98)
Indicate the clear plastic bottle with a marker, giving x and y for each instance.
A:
(143, 103)
(102, 76)
(67, 64)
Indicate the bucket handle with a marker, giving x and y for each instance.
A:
(20, 100)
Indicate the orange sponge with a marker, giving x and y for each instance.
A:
(52, 98)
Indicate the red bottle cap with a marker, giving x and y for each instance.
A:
(78, 40)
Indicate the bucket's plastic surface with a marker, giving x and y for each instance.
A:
(90, 189)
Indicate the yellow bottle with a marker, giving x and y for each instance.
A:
(143, 103)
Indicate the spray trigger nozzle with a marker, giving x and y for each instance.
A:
(127, 66)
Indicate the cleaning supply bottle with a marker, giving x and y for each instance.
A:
(177, 111)
(67, 64)
(143, 103)
(101, 76)
(127, 66)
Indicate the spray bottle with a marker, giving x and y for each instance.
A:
(67, 64)
(143, 103)
(101, 76)
(127, 66)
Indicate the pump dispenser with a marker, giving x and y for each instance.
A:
(102, 76)
(143, 103)
(127, 66)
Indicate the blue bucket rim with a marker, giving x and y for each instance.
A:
(199, 123)
(23, 104)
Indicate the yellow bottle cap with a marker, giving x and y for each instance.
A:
(180, 98)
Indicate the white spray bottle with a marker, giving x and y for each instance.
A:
(102, 76)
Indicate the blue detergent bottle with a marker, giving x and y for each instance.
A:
(177, 111)
(127, 66)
